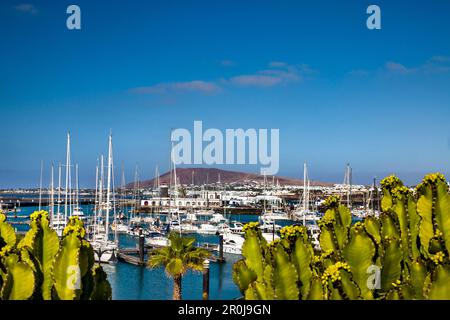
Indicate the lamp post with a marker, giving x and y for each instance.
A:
(205, 294)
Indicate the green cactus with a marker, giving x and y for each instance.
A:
(409, 243)
(40, 266)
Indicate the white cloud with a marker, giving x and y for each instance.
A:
(26, 8)
(436, 64)
(255, 80)
(276, 74)
(204, 87)
(398, 68)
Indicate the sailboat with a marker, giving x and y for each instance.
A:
(117, 225)
(77, 211)
(59, 219)
(105, 250)
(273, 213)
(304, 213)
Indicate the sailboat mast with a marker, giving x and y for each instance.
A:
(108, 187)
(100, 192)
(76, 185)
(59, 187)
(67, 189)
(96, 195)
(40, 185)
(52, 197)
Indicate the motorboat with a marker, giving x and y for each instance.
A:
(207, 228)
(232, 243)
(156, 239)
(236, 227)
(105, 251)
(119, 227)
(276, 215)
(58, 223)
(218, 218)
(270, 236)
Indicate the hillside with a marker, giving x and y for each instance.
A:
(211, 175)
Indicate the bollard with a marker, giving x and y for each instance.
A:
(141, 246)
(221, 248)
(273, 231)
(205, 294)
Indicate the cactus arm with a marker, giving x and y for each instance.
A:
(443, 211)
(388, 227)
(342, 225)
(66, 270)
(102, 288)
(242, 275)
(316, 291)
(349, 287)
(372, 227)
(345, 216)
(251, 250)
(391, 270)
(326, 240)
(414, 222)
(19, 280)
(284, 276)
(424, 209)
(301, 257)
(439, 287)
(418, 276)
(50, 247)
(250, 293)
(359, 254)
(7, 234)
(386, 201)
(400, 211)
(268, 272)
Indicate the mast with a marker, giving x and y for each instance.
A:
(96, 196)
(176, 188)
(40, 185)
(108, 187)
(305, 192)
(52, 197)
(100, 192)
(59, 188)
(68, 180)
(76, 185)
(264, 193)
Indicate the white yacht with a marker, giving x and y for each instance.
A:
(119, 227)
(156, 239)
(232, 243)
(207, 228)
(218, 218)
(105, 251)
(268, 225)
(276, 215)
(314, 233)
(269, 236)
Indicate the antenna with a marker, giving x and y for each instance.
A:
(40, 185)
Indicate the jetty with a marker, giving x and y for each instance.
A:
(138, 256)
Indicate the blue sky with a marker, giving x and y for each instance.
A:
(337, 91)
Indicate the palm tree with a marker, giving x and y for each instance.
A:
(177, 258)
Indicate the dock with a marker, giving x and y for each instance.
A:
(135, 257)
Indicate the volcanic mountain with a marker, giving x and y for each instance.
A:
(200, 176)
